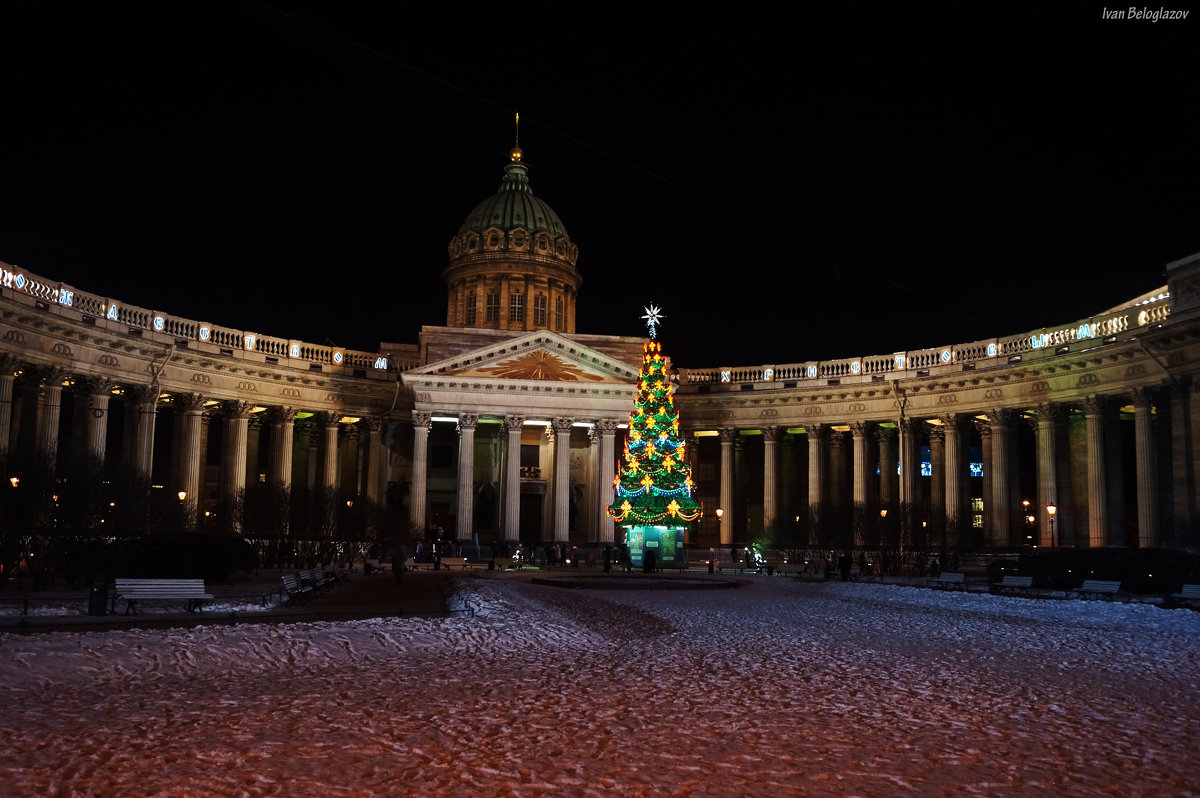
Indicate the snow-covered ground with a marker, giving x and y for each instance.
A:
(773, 688)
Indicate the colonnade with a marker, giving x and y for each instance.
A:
(31, 425)
(596, 475)
(1071, 455)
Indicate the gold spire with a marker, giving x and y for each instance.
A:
(516, 150)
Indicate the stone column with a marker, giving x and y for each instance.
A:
(860, 476)
(607, 472)
(49, 412)
(189, 408)
(233, 452)
(373, 427)
(770, 486)
(1147, 471)
(420, 471)
(935, 533)
(140, 409)
(1001, 515)
(818, 434)
(1094, 408)
(512, 478)
(464, 516)
(910, 471)
(1182, 454)
(8, 367)
(888, 478)
(728, 435)
(562, 478)
(955, 479)
(95, 393)
(282, 424)
(327, 472)
(1049, 419)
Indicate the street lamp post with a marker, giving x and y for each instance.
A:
(1051, 510)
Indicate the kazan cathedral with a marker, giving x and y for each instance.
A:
(504, 425)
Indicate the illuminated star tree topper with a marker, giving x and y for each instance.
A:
(653, 317)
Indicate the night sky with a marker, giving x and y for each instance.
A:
(830, 182)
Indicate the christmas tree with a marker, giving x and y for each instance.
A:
(654, 481)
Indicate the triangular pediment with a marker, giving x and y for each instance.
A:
(539, 356)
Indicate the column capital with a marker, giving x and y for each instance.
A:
(188, 402)
(817, 432)
(1051, 412)
(467, 420)
(936, 433)
(1001, 417)
(140, 394)
(421, 418)
(728, 434)
(513, 423)
(237, 409)
(562, 424)
(369, 423)
(93, 386)
(608, 426)
(951, 421)
(1144, 397)
(859, 430)
(1096, 405)
(770, 434)
(282, 414)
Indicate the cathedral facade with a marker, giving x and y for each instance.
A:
(506, 423)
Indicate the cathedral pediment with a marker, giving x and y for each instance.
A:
(539, 356)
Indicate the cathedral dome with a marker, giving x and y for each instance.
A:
(512, 264)
(514, 220)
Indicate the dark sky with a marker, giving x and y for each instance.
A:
(833, 181)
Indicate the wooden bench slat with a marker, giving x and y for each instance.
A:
(133, 590)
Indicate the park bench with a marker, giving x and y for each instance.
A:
(1096, 589)
(949, 580)
(293, 589)
(736, 565)
(1188, 596)
(411, 565)
(313, 580)
(135, 590)
(455, 562)
(793, 569)
(1016, 585)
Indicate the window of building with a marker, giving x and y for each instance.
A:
(516, 307)
(493, 306)
(539, 310)
(558, 314)
(471, 309)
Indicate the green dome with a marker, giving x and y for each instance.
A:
(514, 206)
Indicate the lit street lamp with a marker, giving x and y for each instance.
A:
(1051, 510)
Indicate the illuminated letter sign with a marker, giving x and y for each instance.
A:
(991, 350)
(724, 376)
(112, 312)
(338, 357)
(66, 297)
(1037, 341)
(899, 362)
(381, 363)
(855, 367)
(811, 371)
(159, 323)
(946, 355)
(768, 375)
(294, 350)
(250, 339)
(205, 333)
(1085, 331)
